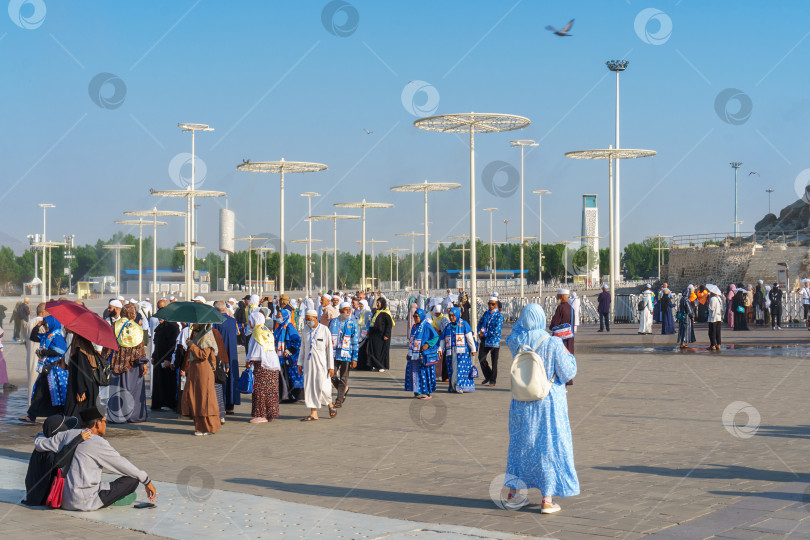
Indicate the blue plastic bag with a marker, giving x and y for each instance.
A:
(246, 381)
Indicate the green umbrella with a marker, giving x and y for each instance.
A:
(190, 312)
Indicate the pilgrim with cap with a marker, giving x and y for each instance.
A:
(489, 334)
(317, 364)
(345, 333)
(645, 310)
(564, 314)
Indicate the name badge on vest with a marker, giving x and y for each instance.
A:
(345, 347)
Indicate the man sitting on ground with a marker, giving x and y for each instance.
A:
(84, 490)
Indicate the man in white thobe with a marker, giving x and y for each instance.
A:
(317, 363)
(645, 315)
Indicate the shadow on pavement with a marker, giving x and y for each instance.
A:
(710, 470)
(370, 494)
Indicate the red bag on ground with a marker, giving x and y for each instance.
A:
(55, 495)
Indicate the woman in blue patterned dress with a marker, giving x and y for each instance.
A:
(420, 379)
(288, 344)
(456, 346)
(541, 454)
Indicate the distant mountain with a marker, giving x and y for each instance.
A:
(17, 246)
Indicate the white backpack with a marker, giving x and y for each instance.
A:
(529, 380)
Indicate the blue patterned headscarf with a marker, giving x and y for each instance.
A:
(461, 326)
(529, 329)
(424, 330)
(53, 338)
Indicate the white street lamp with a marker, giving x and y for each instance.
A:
(522, 143)
(540, 193)
(140, 223)
(154, 214)
(334, 217)
(117, 248)
(250, 239)
(413, 235)
(363, 204)
(46, 275)
(372, 242)
(425, 187)
(491, 211)
(309, 195)
(471, 123)
(280, 167)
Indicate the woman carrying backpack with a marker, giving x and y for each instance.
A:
(541, 453)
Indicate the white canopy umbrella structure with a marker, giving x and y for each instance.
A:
(250, 239)
(309, 195)
(372, 242)
(413, 235)
(363, 204)
(117, 248)
(334, 217)
(425, 187)
(610, 154)
(522, 143)
(154, 214)
(140, 223)
(281, 167)
(471, 123)
(307, 248)
(189, 194)
(394, 251)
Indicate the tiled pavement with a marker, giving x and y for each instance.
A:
(652, 451)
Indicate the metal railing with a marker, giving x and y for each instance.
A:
(729, 239)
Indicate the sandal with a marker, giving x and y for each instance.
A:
(332, 412)
(309, 419)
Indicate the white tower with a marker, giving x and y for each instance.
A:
(226, 226)
(590, 234)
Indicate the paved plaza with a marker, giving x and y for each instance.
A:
(667, 443)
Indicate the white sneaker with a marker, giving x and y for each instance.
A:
(201, 434)
(382, 371)
(778, 327)
(222, 420)
(515, 502)
(549, 508)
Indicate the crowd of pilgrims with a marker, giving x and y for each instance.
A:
(737, 307)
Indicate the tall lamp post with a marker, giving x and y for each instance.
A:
(46, 283)
(564, 244)
(769, 191)
(281, 167)
(413, 235)
(438, 248)
(617, 66)
(363, 204)
(140, 223)
(69, 256)
(372, 242)
(540, 193)
(394, 252)
(309, 195)
(610, 154)
(324, 275)
(463, 249)
(117, 248)
(660, 249)
(470, 123)
(335, 217)
(425, 187)
(308, 248)
(154, 213)
(522, 143)
(491, 210)
(250, 239)
(261, 257)
(736, 165)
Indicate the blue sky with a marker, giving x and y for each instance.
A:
(274, 82)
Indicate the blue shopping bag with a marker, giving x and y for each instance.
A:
(246, 381)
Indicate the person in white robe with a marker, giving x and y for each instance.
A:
(645, 315)
(317, 363)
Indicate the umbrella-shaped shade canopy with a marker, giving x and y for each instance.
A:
(80, 320)
(190, 312)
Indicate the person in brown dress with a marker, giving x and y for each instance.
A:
(199, 399)
(564, 314)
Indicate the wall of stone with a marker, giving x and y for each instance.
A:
(711, 264)
(722, 265)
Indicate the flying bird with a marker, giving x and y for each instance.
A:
(754, 172)
(367, 131)
(245, 161)
(563, 31)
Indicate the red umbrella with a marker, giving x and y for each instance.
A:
(80, 320)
